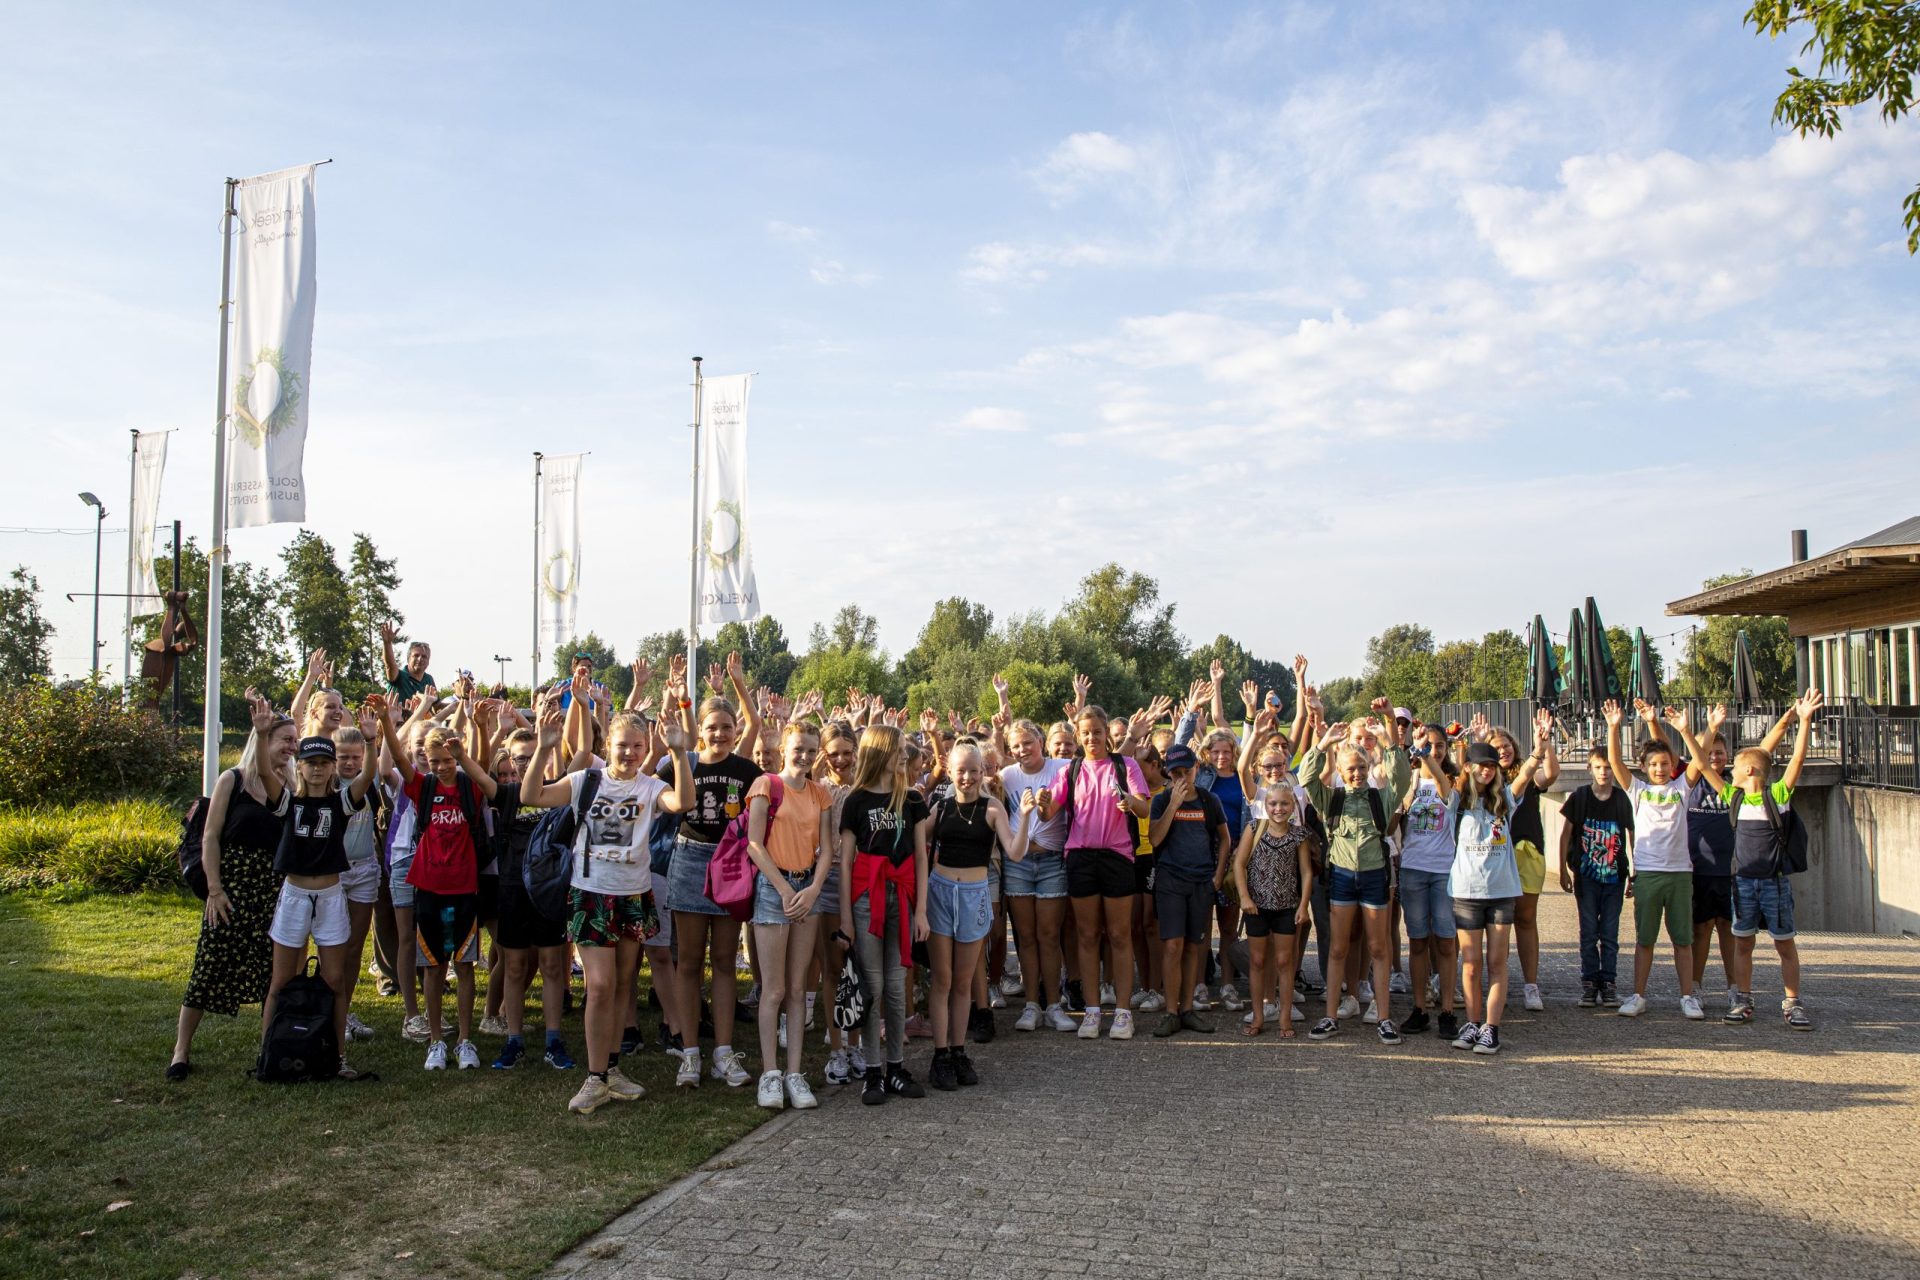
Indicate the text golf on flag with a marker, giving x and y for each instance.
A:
(724, 560)
(272, 348)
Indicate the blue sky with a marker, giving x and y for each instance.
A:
(1328, 316)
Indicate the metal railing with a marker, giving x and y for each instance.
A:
(1871, 748)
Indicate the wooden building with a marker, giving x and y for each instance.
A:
(1854, 613)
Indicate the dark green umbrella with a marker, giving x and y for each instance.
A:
(1746, 685)
(1643, 681)
(1544, 683)
(1603, 678)
(1579, 692)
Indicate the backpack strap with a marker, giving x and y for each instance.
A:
(589, 787)
(1379, 811)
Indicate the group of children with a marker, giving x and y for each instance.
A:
(1117, 848)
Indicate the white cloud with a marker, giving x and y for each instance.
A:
(832, 271)
(788, 233)
(1083, 160)
(992, 418)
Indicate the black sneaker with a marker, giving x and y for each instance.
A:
(941, 1076)
(1446, 1026)
(1589, 994)
(982, 1029)
(1325, 1029)
(1192, 1021)
(875, 1091)
(1169, 1025)
(1416, 1023)
(1489, 1041)
(963, 1069)
(899, 1080)
(1609, 997)
(1389, 1034)
(630, 1041)
(1075, 1002)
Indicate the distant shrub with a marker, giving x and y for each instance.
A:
(65, 743)
(120, 845)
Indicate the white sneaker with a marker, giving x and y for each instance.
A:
(812, 997)
(857, 1058)
(773, 1093)
(1029, 1018)
(1200, 1000)
(1122, 1028)
(593, 1095)
(1690, 1007)
(466, 1055)
(1090, 1025)
(493, 1025)
(1153, 1003)
(839, 1069)
(1530, 997)
(1349, 1007)
(358, 1030)
(1633, 1006)
(1107, 996)
(1366, 990)
(437, 1056)
(415, 1029)
(731, 1067)
(1299, 1013)
(1270, 1009)
(1230, 997)
(1398, 984)
(994, 999)
(1433, 988)
(783, 1031)
(1060, 1020)
(1012, 985)
(687, 1075)
(741, 962)
(1012, 971)
(799, 1093)
(623, 1089)
(1138, 998)
(1372, 1016)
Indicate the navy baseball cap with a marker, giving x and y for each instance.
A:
(1178, 757)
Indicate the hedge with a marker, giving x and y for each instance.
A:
(120, 845)
(65, 743)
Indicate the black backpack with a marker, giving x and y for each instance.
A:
(1789, 833)
(193, 834)
(299, 1043)
(547, 872)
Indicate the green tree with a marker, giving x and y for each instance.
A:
(956, 623)
(1453, 670)
(1240, 666)
(830, 671)
(762, 646)
(1708, 670)
(372, 580)
(24, 631)
(253, 636)
(1869, 53)
(318, 602)
(1035, 690)
(852, 628)
(1120, 614)
(1499, 667)
(1343, 698)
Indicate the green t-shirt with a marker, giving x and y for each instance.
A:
(1354, 843)
(404, 686)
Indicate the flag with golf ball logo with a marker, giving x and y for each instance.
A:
(558, 545)
(724, 558)
(272, 348)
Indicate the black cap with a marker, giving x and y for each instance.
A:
(1178, 757)
(1482, 753)
(316, 748)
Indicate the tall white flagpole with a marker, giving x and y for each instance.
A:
(133, 489)
(533, 677)
(693, 551)
(217, 548)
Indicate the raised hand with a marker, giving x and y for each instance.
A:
(1808, 704)
(1249, 696)
(1543, 727)
(1197, 693)
(1382, 707)
(677, 668)
(1158, 708)
(642, 672)
(389, 632)
(1000, 685)
(736, 669)
(1613, 712)
(1215, 670)
(258, 711)
(1299, 669)
(1336, 733)
(1675, 717)
(317, 666)
(1263, 719)
(1082, 685)
(1716, 716)
(551, 723)
(929, 720)
(1478, 728)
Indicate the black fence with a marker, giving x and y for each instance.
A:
(1873, 749)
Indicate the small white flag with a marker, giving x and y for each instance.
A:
(725, 556)
(272, 350)
(559, 549)
(149, 463)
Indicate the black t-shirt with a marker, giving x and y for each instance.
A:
(313, 834)
(960, 836)
(877, 828)
(1526, 823)
(512, 828)
(719, 794)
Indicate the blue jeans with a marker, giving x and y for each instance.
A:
(1599, 905)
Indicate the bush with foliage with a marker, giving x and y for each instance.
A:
(121, 846)
(65, 743)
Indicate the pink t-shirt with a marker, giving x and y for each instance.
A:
(1098, 822)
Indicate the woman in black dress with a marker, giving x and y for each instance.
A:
(234, 959)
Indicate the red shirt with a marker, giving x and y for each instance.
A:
(443, 856)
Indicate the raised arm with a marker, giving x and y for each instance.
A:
(680, 799)
(749, 714)
(1549, 771)
(1778, 732)
(535, 791)
(371, 712)
(1677, 719)
(386, 652)
(1438, 776)
(1804, 710)
(1216, 676)
(316, 668)
(1612, 711)
(267, 776)
(1717, 717)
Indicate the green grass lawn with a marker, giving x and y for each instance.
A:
(478, 1173)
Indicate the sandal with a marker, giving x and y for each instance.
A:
(178, 1071)
(1286, 1033)
(1251, 1029)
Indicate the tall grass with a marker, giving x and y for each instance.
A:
(116, 845)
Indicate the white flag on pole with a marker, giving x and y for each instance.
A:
(149, 462)
(725, 559)
(559, 550)
(272, 348)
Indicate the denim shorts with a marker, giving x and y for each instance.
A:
(1041, 874)
(959, 909)
(1475, 914)
(1427, 904)
(766, 898)
(1761, 904)
(397, 887)
(687, 878)
(1368, 888)
(828, 903)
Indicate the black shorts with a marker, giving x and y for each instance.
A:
(1185, 907)
(519, 924)
(446, 927)
(489, 897)
(1099, 873)
(1712, 898)
(1261, 923)
(1143, 872)
(1478, 913)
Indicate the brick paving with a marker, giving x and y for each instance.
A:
(1592, 1145)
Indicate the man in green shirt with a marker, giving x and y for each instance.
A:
(405, 682)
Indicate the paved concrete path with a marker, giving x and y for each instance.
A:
(1592, 1145)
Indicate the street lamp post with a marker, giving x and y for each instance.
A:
(503, 668)
(99, 527)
